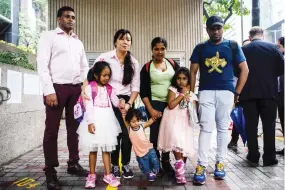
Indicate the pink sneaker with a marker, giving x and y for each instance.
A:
(111, 180)
(90, 181)
(181, 179)
(179, 168)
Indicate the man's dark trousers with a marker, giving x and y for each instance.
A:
(266, 109)
(67, 96)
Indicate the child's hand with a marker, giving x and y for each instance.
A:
(122, 103)
(149, 122)
(184, 90)
(91, 128)
(123, 112)
(187, 97)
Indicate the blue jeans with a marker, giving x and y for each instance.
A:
(149, 162)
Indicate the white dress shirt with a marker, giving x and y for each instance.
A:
(61, 59)
(118, 73)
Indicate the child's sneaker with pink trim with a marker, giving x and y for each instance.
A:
(181, 179)
(111, 180)
(90, 181)
(179, 168)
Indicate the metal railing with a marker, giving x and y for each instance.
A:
(5, 94)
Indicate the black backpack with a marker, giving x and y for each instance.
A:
(234, 48)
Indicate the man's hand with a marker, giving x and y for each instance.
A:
(51, 100)
(91, 128)
(236, 98)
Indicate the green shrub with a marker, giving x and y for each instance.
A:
(17, 59)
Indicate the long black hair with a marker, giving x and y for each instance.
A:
(181, 70)
(128, 64)
(96, 70)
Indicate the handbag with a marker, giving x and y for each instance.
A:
(141, 108)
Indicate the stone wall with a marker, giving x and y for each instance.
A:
(22, 117)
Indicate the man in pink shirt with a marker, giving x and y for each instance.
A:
(62, 67)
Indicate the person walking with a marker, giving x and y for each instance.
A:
(217, 59)
(259, 96)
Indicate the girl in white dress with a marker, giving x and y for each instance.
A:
(100, 128)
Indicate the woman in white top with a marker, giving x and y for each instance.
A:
(125, 80)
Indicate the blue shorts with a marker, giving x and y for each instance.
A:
(149, 162)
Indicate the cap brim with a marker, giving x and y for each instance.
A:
(217, 24)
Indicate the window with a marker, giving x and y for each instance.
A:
(91, 57)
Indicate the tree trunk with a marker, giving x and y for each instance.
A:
(255, 13)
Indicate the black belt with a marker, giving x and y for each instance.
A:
(70, 84)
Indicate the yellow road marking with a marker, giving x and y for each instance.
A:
(120, 162)
(111, 188)
(280, 138)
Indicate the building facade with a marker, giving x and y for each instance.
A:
(272, 20)
(178, 21)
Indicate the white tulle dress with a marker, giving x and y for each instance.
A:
(107, 127)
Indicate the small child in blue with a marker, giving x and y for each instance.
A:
(146, 155)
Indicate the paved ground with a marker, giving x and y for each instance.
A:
(26, 172)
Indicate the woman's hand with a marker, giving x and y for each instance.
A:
(122, 104)
(127, 107)
(155, 114)
(91, 128)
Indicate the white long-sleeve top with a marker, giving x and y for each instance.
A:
(61, 59)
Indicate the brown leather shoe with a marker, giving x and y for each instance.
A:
(77, 169)
(51, 179)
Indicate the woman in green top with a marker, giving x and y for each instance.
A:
(155, 80)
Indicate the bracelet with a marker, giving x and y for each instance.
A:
(129, 104)
(237, 94)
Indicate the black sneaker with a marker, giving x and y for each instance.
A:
(51, 179)
(166, 166)
(127, 172)
(161, 172)
(116, 172)
(232, 144)
(280, 152)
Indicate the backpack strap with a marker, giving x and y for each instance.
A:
(234, 47)
(147, 66)
(200, 51)
(94, 90)
(171, 61)
(109, 89)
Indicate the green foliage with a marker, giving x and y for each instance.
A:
(5, 8)
(16, 59)
(21, 47)
(29, 33)
(223, 8)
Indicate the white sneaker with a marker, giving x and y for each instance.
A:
(111, 180)
(90, 181)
